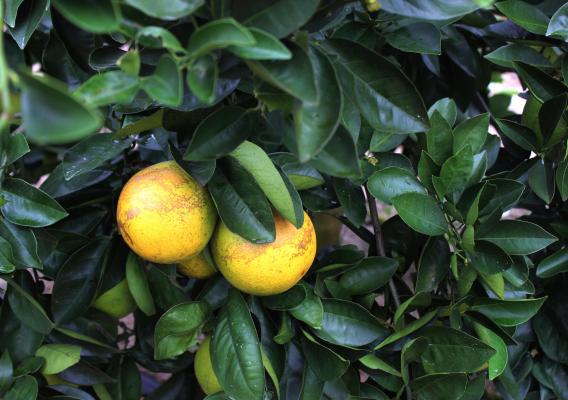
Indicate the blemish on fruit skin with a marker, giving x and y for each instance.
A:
(265, 269)
(165, 197)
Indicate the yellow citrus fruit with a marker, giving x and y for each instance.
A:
(204, 369)
(198, 267)
(164, 215)
(117, 301)
(270, 268)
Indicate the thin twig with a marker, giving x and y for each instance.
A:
(379, 242)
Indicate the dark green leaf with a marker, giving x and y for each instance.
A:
(24, 388)
(316, 122)
(29, 15)
(28, 310)
(439, 138)
(472, 132)
(302, 176)
(7, 264)
(368, 275)
(177, 329)
(518, 237)
(542, 86)
(294, 76)
(488, 259)
(339, 157)
(51, 115)
(219, 34)
(242, 205)
(23, 243)
(504, 56)
(158, 37)
(433, 264)
(457, 170)
(218, 134)
(165, 84)
(386, 98)
(235, 351)
(558, 25)
(562, 179)
(202, 78)
(28, 206)
(107, 88)
(92, 15)
(508, 312)
(17, 147)
(525, 15)
(541, 180)
(393, 181)
(258, 164)
(169, 11)
(267, 47)
(352, 199)
(519, 134)
(550, 114)
(278, 17)
(450, 350)
(76, 288)
(421, 38)
(348, 324)
(554, 264)
(91, 153)
(434, 10)
(498, 361)
(6, 371)
(421, 213)
(439, 386)
(138, 285)
(310, 310)
(326, 364)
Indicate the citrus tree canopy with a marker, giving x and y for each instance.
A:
(283, 199)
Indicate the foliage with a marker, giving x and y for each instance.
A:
(290, 104)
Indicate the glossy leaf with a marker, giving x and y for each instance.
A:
(218, 134)
(368, 275)
(421, 213)
(170, 11)
(235, 351)
(518, 237)
(202, 78)
(108, 87)
(383, 94)
(27, 206)
(58, 357)
(267, 47)
(294, 76)
(69, 120)
(177, 329)
(258, 164)
(75, 288)
(349, 324)
(94, 16)
(138, 285)
(219, 34)
(390, 182)
(433, 264)
(242, 205)
(91, 153)
(165, 84)
(316, 122)
(508, 312)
